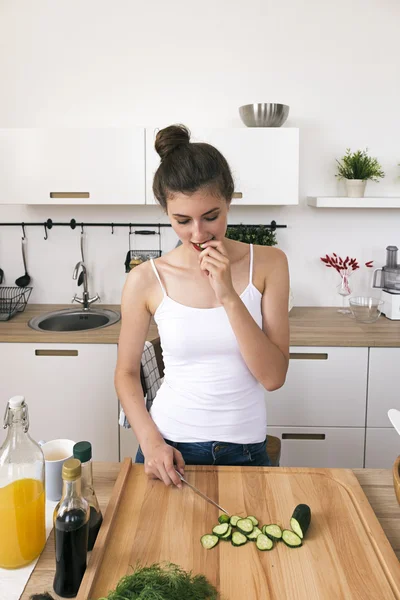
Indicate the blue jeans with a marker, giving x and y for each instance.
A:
(219, 453)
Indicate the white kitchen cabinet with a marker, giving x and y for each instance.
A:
(72, 166)
(128, 443)
(324, 387)
(264, 162)
(383, 385)
(322, 447)
(69, 389)
(382, 447)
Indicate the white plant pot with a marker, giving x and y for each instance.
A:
(355, 188)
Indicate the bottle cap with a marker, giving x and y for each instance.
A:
(71, 469)
(83, 451)
(16, 401)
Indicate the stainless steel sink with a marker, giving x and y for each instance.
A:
(72, 319)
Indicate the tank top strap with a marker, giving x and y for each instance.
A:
(158, 277)
(251, 265)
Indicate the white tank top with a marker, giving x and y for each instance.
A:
(208, 393)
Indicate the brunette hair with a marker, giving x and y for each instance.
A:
(187, 166)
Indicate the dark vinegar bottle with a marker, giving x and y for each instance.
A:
(83, 452)
(71, 530)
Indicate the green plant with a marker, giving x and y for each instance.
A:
(261, 235)
(358, 165)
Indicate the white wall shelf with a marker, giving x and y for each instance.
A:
(345, 202)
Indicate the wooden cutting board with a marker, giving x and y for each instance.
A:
(345, 555)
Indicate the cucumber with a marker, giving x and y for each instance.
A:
(234, 519)
(223, 519)
(264, 543)
(221, 530)
(245, 526)
(291, 539)
(274, 532)
(253, 520)
(209, 541)
(301, 519)
(254, 534)
(238, 539)
(228, 535)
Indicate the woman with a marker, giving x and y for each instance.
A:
(221, 307)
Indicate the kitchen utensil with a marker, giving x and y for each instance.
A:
(345, 554)
(201, 493)
(24, 280)
(388, 277)
(264, 114)
(394, 416)
(136, 257)
(365, 308)
(12, 300)
(1, 275)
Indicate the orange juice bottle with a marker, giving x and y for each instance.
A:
(22, 493)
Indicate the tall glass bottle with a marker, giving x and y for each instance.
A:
(22, 494)
(71, 527)
(83, 452)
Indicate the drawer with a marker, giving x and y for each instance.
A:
(326, 447)
(383, 385)
(382, 447)
(324, 387)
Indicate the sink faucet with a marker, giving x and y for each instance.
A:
(85, 300)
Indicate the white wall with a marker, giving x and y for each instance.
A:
(125, 62)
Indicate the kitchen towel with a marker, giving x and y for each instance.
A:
(13, 581)
(151, 379)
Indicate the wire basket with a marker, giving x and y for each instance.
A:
(136, 257)
(12, 300)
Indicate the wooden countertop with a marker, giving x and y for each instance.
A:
(309, 326)
(17, 329)
(377, 484)
(324, 326)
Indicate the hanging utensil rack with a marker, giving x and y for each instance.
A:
(49, 224)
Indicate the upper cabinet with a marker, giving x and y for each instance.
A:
(264, 162)
(72, 166)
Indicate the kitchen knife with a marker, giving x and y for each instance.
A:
(201, 493)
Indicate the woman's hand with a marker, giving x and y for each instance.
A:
(215, 262)
(160, 461)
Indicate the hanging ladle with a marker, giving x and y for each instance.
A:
(24, 280)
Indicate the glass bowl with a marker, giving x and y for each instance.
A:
(365, 309)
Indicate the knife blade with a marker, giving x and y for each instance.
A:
(201, 493)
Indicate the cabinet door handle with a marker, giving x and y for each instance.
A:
(303, 436)
(69, 195)
(52, 352)
(308, 356)
(237, 195)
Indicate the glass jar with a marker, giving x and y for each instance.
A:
(22, 490)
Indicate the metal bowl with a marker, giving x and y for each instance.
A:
(264, 114)
(365, 308)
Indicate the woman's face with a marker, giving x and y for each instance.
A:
(198, 218)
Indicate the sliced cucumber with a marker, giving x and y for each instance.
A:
(238, 539)
(301, 519)
(208, 541)
(253, 520)
(254, 534)
(274, 532)
(223, 519)
(291, 538)
(245, 525)
(234, 520)
(263, 542)
(227, 536)
(221, 530)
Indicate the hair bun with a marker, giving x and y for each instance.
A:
(170, 138)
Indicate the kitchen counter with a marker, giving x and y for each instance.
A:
(309, 326)
(17, 329)
(377, 484)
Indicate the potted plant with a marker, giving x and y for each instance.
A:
(356, 168)
(261, 235)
